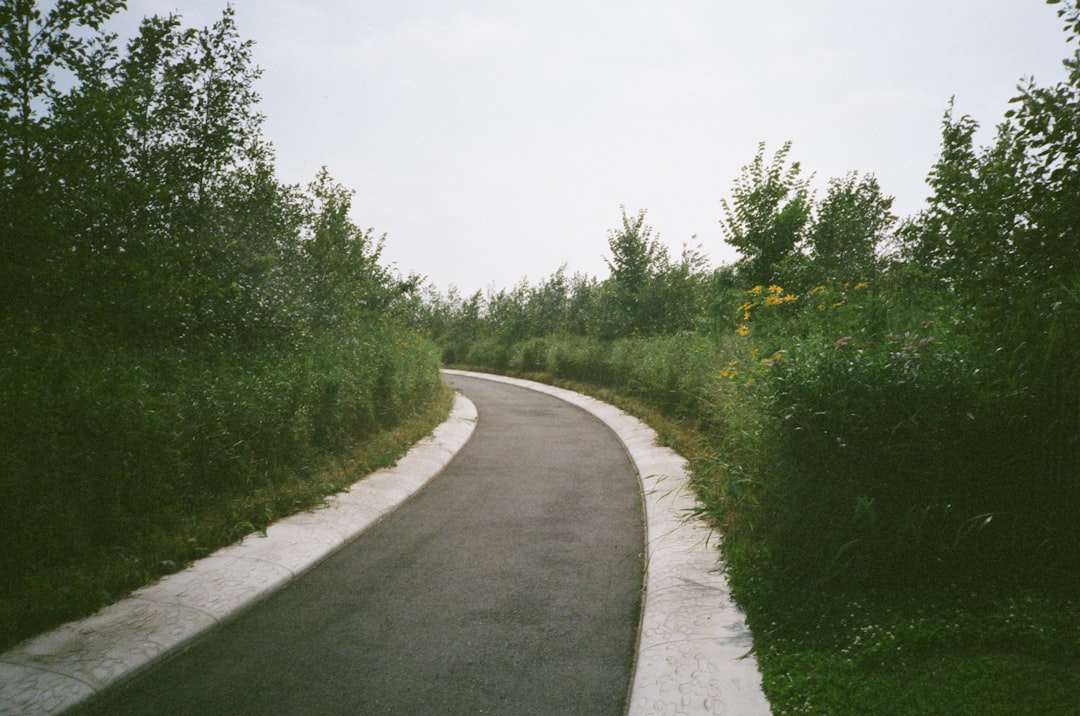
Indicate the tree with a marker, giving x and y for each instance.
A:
(636, 257)
(679, 293)
(340, 266)
(34, 49)
(1004, 218)
(768, 214)
(1046, 124)
(851, 223)
(130, 197)
(582, 305)
(549, 304)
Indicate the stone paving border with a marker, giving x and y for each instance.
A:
(59, 669)
(694, 648)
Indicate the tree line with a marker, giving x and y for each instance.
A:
(179, 329)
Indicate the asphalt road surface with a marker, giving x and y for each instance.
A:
(511, 584)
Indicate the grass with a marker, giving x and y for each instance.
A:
(916, 646)
(953, 650)
(59, 591)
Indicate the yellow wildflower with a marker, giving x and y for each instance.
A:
(775, 290)
(861, 285)
(773, 301)
(819, 289)
(756, 290)
(744, 330)
(790, 297)
(746, 316)
(754, 352)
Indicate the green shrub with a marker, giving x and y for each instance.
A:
(106, 447)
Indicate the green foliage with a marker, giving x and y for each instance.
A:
(635, 258)
(34, 49)
(876, 435)
(647, 294)
(1003, 219)
(180, 332)
(964, 650)
(1046, 122)
(851, 225)
(871, 414)
(139, 187)
(768, 215)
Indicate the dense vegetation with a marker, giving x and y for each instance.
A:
(885, 414)
(187, 344)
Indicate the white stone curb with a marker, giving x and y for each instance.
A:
(57, 670)
(694, 648)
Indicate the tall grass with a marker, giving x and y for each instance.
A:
(111, 450)
(862, 431)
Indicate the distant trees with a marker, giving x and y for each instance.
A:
(783, 234)
(647, 293)
(636, 256)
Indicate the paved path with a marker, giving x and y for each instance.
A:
(509, 585)
(692, 648)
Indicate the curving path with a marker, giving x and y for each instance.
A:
(510, 584)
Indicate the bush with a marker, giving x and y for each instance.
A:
(180, 330)
(898, 445)
(105, 447)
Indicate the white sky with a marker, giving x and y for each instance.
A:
(495, 140)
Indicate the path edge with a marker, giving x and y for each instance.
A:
(63, 668)
(695, 651)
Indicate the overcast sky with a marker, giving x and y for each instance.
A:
(495, 140)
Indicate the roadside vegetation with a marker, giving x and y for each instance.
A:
(188, 348)
(882, 414)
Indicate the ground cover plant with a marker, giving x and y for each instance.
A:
(188, 348)
(882, 415)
